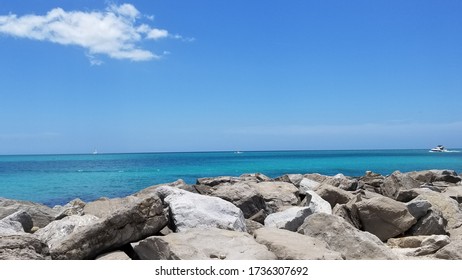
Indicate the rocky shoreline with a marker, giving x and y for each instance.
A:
(414, 215)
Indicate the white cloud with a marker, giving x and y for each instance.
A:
(113, 32)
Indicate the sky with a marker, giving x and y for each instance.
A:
(208, 75)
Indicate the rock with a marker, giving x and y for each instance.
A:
(397, 181)
(19, 221)
(333, 195)
(308, 184)
(339, 181)
(189, 210)
(384, 217)
(116, 255)
(317, 204)
(41, 215)
(452, 251)
(74, 207)
(254, 177)
(430, 176)
(137, 218)
(372, 179)
(243, 196)
(23, 247)
(447, 206)
(406, 242)
(454, 193)
(455, 233)
(259, 217)
(408, 195)
(418, 208)
(294, 179)
(342, 237)
(290, 219)
(211, 182)
(179, 184)
(199, 244)
(59, 230)
(421, 245)
(288, 245)
(432, 223)
(277, 195)
(252, 226)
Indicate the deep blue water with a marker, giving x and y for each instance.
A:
(57, 179)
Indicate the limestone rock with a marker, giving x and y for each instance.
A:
(317, 204)
(420, 245)
(23, 247)
(452, 251)
(384, 217)
(277, 195)
(288, 245)
(308, 184)
(447, 206)
(254, 177)
(116, 255)
(199, 244)
(189, 210)
(41, 215)
(432, 223)
(418, 208)
(289, 219)
(454, 193)
(430, 176)
(372, 179)
(396, 182)
(342, 237)
(211, 182)
(252, 226)
(19, 222)
(74, 207)
(333, 195)
(294, 179)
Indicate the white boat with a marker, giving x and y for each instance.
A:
(95, 152)
(439, 149)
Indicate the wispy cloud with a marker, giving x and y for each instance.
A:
(115, 32)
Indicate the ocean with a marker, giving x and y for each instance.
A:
(57, 179)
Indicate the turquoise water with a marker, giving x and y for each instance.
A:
(56, 179)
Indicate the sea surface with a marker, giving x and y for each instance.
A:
(57, 179)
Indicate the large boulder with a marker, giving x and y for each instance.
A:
(215, 181)
(372, 179)
(294, 179)
(420, 245)
(316, 203)
(277, 195)
(454, 193)
(288, 245)
(339, 181)
(384, 217)
(23, 247)
(116, 255)
(344, 238)
(333, 195)
(418, 208)
(74, 207)
(446, 205)
(243, 196)
(452, 251)
(17, 222)
(396, 182)
(432, 223)
(41, 215)
(190, 210)
(289, 219)
(199, 244)
(434, 175)
(135, 219)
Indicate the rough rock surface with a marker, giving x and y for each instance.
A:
(74, 207)
(396, 182)
(116, 255)
(290, 219)
(288, 245)
(277, 195)
(430, 224)
(23, 247)
(199, 244)
(420, 245)
(452, 251)
(317, 204)
(41, 214)
(189, 210)
(446, 205)
(333, 195)
(418, 208)
(342, 237)
(16, 223)
(384, 217)
(434, 175)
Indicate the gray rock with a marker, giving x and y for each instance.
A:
(372, 179)
(252, 226)
(41, 215)
(342, 237)
(430, 176)
(288, 245)
(243, 196)
(23, 247)
(189, 210)
(74, 207)
(384, 217)
(116, 255)
(333, 195)
(339, 181)
(317, 204)
(454, 193)
(254, 177)
(420, 245)
(452, 251)
(19, 221)
(408, 195)
(418, 208)
(199, 244)
(396, 182)
(277, 195)
(446, 205)
(432, 223)
(289, 219)
(294, 179)
(211, 182)
(136, 219)
(307, 184)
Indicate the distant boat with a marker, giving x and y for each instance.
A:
(438, 149)
(95, 152)
(238, 152)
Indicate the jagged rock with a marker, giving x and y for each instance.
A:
(252, 226)
(135, 219)
(455, 233)
(308, 184)
(452, 251)
(254, 177)
(418, 208)
(243, 196)
(384, 217)
(41, 215)
(396, 182)
(372, 179)
(59, 230)
(199, 244)
(430, 176)
(74, 207)
(454, 193)
(342, 237)
(317, 204)
(294, 179)
(339, 181)
(432, 223)
(116, 255)
(289, 219)
(211, 182)
(189, 210)
(277, 195)
(447, 206)
(19, 221)
(288, 245)
(179, 184)
(421, 245)
(23, 247)
(408, 195)
(333, 195)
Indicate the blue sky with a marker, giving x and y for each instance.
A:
(206, 75)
